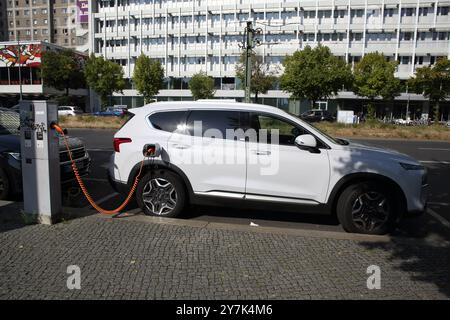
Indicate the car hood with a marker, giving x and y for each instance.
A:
(11, 142)
(371, 150)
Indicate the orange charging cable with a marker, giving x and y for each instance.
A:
(83, 187)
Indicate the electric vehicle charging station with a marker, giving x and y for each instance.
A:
(40, 161)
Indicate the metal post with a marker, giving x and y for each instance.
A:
(248, 60)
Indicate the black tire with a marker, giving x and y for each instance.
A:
(4, 185)
(162, 177)
(369, 208)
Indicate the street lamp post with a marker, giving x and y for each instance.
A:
(19, 52)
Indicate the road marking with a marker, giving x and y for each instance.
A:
(434, 162)
(439, 203)
(436, 149)
(438, 217)
(104, 199)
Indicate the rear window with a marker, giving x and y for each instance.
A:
(213, 119)
(168, 121)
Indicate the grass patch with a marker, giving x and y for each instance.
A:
(92, 122)
(386, 131)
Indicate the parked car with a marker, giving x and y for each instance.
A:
(10, 158)
(15, 108)
(69, 111)
(304, 169)
(117, 111)
(316, 115)
(404, 122)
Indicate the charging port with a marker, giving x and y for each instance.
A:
(152, 150)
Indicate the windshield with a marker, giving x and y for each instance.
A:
(335, 140)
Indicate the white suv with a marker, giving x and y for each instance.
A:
(257, 155)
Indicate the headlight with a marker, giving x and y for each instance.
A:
(408, 166)
(15, 155)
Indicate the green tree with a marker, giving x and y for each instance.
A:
(148, 77)
(433, 82)
(374, 77)
(104, 76)
(202, 86)
(262, 77)
(314, 74)
(62, 70)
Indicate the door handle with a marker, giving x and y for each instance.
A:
(181, 146)
(261, 153)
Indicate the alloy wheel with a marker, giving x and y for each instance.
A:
(159, 196)
(370, 211)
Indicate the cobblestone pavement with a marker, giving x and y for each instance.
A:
(123, 259)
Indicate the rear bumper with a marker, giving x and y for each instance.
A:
(118, 186)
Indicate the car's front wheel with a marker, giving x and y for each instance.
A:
(161, 193)
(367, 207)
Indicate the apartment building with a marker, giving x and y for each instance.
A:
(3, 30)
(204, 35)
(53, 21)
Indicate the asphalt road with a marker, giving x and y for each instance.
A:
(433, 154)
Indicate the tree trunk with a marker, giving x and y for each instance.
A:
(436, 112)
(256, 97)
(313, 103)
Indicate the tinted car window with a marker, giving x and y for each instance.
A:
(168, 121)
(287, 132)
(213, 119)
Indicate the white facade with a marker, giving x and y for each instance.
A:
(204, 35)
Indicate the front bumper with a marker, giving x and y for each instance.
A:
(421, 207)
(83, 166)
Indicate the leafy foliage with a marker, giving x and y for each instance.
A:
(262, 77)
(148, 77)
(374, 77)
(62, 70)
(104, 76)
(314, 74)
(202, 86)
(433, 82)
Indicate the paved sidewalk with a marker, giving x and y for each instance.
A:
(128, 259)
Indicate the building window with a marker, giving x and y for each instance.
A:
(407, 36)
(443, 11)
(405, 59)
(423, 12)
(407, 12)
(388, 12)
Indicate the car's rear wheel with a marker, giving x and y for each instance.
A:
(4, 185)
(367, 207)
(161, 193)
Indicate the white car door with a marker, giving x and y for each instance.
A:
(279, 169)
(213, 163)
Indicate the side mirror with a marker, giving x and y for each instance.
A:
(307, 142)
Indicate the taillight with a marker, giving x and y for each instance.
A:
(118, 141)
